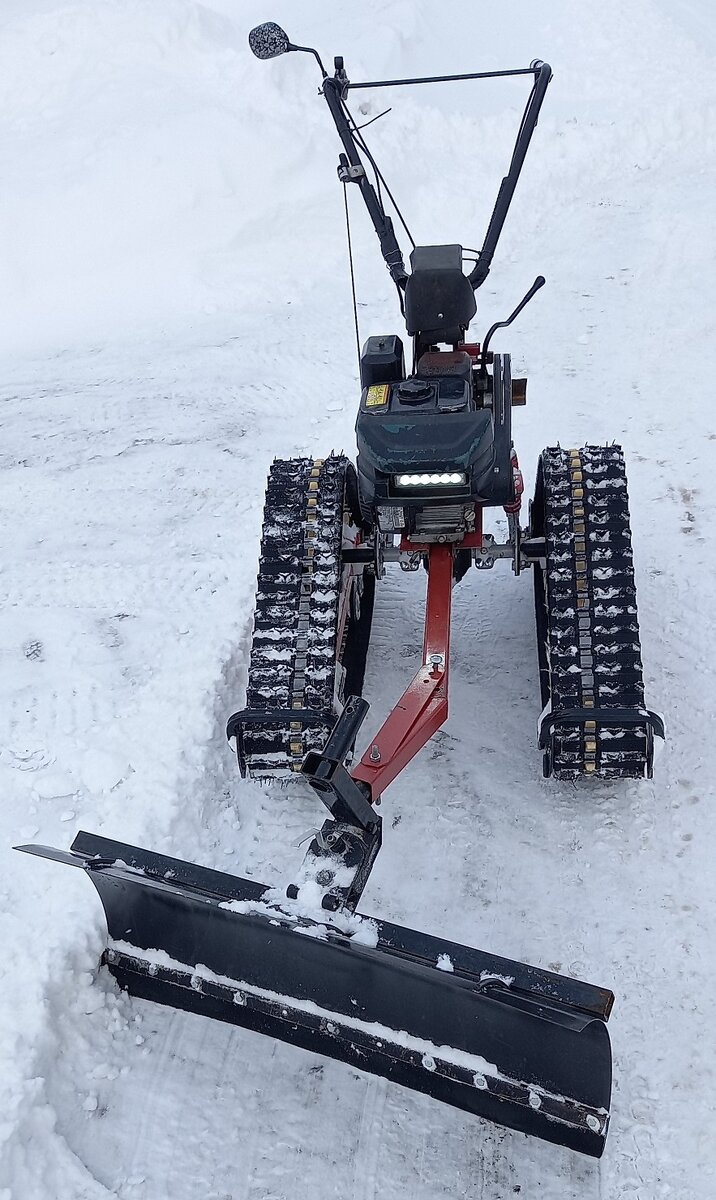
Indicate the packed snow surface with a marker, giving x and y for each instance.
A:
(176, 312)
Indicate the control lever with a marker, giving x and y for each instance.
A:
(538, 283)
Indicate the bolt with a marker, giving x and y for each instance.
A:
(374, 754)
(325, 878)
(436, 660)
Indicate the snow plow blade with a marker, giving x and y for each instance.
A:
(520, 1046)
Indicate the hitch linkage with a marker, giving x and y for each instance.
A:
(341, 855)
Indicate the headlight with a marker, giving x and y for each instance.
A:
(436, 479)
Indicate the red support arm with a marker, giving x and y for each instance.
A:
(423, 707)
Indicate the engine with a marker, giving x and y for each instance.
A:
(433, 446)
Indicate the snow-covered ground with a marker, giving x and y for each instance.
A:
(175, 312)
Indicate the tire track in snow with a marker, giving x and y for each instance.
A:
(367, 1180)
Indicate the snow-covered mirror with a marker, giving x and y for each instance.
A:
(268, 40)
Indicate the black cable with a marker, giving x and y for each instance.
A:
(378, 192)
(353, 278)
(360, 141)
(367, 123)
(393, 201)
(381, 179)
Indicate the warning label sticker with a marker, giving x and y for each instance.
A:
(377, 395)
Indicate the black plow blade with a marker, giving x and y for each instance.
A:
(517, 1045)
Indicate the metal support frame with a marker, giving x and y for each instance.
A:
(423, 707)
(419, 713)
(340, 858)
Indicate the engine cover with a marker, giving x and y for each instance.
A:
(429, 424)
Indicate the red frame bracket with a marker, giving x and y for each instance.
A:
(423, 707)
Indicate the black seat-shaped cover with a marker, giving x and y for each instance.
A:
(439, 300)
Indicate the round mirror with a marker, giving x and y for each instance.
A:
(268, 40)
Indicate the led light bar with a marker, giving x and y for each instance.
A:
(432, 479)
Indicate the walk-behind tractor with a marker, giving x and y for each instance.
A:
(513, 1043)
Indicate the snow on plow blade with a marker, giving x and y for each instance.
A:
(523, 1047)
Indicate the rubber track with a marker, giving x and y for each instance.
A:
(293, 651)
(593, 649)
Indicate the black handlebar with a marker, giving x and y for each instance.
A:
(269, 40)
(442, 78)
(479, 273)
(335, 88)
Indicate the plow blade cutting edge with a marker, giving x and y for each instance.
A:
(523, 1047)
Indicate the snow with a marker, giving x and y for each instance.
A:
(176, 312)
(307, 908)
